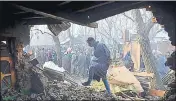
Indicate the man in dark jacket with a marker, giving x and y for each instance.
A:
(99, 70)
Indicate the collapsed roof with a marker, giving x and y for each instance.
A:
(79, 12)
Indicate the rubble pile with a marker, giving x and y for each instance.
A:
(42, 89)
(171, 92)
(23, 72)
(34, 84)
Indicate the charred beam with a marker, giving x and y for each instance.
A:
(95, 6)
(41, 21)
(37, 17)
(63, 3)
(20, 12)
(28, 15)
(93, 25)
(111, 9)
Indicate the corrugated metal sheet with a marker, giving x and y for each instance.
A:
(57, 28)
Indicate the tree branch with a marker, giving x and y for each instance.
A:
(148, 26)
(43, 32)
(159, 30)
(128, 17)
(109, 23)
(108, 37)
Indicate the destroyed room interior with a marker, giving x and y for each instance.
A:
(88, 50)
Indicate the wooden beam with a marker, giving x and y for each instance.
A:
(63, 3)
(41, 21)
(101, 4)
(92, 25)
(37, 17)
(20, 12)
(111, 9)
(143, 74)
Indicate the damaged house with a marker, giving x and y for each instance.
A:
(21, 79)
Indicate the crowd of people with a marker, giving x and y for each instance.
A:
(93, 63)
(43, 54)
(76, 61)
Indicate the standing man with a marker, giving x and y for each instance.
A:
(66, 60)
(81, 63)
(43, 56)
(99, 70)
(73, 62)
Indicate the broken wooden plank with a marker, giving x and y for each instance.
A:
(59, 76)
(169, 77)
(126, 96)
(154, 92)
(143, 74)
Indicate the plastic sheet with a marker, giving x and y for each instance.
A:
(53, 66)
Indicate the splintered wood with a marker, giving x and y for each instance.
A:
(143, 74)
(122, 76)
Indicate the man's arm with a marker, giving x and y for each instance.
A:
(107, 52)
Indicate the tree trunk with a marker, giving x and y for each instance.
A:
(58, 50)
(146, 52)
(95, 34)
(56, 29)
(70, 36)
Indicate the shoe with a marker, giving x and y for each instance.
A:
(108, 94)
(86, 84)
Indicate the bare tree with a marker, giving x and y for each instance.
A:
(109, 29)
(56, 29)
(143, 30)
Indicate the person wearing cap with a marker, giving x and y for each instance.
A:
(99, 69)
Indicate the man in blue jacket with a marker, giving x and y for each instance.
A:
(99, 70)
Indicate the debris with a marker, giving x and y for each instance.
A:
(121, 76)
(143, 74)
(171, 92)
(34, 62)
(48, 89)
(154, 92)
(9, 98)
(51, 65)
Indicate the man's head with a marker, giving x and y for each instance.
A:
(91, 41)
(69, 50)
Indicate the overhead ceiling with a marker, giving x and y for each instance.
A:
(80, 11)
(83, 12)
